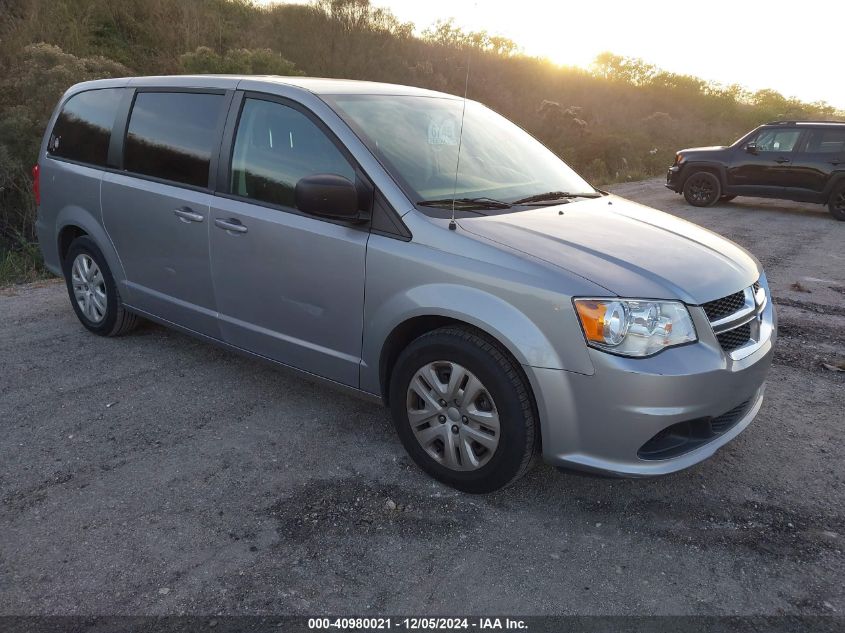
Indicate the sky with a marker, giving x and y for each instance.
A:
(796, 48)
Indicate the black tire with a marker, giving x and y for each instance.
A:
(117, 320)
(702, 189)
(836, 205)
(519, 439)
(726, 198)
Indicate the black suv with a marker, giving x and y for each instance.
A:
(792, 160)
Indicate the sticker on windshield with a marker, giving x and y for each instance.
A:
(443, 132)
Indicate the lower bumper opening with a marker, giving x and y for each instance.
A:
(683, 437)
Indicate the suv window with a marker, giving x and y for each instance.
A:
(777, 140)
(171, 135)
(275, 146)
(830, 141)
(83, 128)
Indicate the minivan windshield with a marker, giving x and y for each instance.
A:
(416, 138)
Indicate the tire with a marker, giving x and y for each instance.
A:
(100, 308)
(726, 198)
(499, 391)
(836, 205)
(702, 189)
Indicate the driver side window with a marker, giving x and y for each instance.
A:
(777, 140)
(276, 146)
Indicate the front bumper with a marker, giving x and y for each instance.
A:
(601, 422)
(673, 178)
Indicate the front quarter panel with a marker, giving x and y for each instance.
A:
(525, 305)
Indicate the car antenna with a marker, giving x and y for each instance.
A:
(452, 224)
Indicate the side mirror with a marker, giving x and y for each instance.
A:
(751, 148)
(327, 195)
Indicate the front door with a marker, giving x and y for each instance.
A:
(156, 211)
(289, 286)
(768, 169)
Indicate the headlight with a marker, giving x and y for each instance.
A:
(634, 327)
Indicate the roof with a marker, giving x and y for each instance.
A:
(806, 123)
(320, 85)
(315, 85)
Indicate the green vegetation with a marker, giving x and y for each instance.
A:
(621, 120)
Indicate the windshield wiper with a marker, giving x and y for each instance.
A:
(478, 203)
(555, 195)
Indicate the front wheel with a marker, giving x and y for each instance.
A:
(836, 206)
(463, 410)
(702, 189)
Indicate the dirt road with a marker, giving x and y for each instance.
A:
(156, 474)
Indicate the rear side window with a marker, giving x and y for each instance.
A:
(171, 135)
(275, 146)
(826, 141)
(83, 128)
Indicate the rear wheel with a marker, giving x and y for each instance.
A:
(93, 292)
(702, 189)
(463, 411)
(836, 206)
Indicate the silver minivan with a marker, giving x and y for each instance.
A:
(417, 249)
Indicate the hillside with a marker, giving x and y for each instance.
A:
(621, 120)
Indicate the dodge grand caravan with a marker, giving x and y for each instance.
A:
(421, 251)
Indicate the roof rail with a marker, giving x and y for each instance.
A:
(805, 121)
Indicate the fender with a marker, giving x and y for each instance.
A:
(501, 320)
(691, 165)
(73, 215)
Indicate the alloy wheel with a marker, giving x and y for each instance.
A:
(89, 288)
(701, 190)
(453, 416)
(839, 203)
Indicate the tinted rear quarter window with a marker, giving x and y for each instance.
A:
(83, 128)
(171, 135)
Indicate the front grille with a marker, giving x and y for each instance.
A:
(732, 339)
(688, 435)
(720, 308)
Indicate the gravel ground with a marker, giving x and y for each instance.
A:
(155, 474)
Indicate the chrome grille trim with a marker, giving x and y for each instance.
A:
(741, 331)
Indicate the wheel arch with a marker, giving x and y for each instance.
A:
(411, 329)
(837, 179)
(717, 169)
(74, 221)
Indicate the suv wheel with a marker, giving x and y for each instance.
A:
(463, 411)
(837, 203)
(702, 189)
(93, 293)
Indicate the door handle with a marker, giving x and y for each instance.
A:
(231, 224)
(836, 161)
(781, 160)
(186, 214)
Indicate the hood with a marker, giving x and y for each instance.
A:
(629, 249)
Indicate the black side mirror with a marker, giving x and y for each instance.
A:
(751, 148)
(327, 195)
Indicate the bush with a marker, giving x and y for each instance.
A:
(240, 61)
